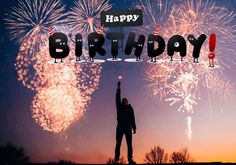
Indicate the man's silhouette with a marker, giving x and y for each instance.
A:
(126, 122)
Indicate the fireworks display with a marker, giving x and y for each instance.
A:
(28, 22)
(181, 23)
(85, 16)
(75, 84)
(178, 83)
(63, 90)
(157, 12)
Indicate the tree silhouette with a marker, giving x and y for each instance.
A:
(156, 155)
(182, 156)
(112, 161)
(10, 154)
(62, 162)
(65, 162)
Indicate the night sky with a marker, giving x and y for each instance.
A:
(92, 138)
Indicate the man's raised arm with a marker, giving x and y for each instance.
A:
(118, 98)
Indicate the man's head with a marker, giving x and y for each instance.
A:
(125, 101)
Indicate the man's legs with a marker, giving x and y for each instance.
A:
(119, 135)
(128, 136)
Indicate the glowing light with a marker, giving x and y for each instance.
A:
(120, 77)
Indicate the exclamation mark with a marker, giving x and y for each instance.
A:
(212, 46)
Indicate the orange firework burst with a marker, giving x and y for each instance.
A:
(25, 60)
(28, 23)
(63, 90)
(55, 107)
(68, 86)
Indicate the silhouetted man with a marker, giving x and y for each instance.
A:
(126, 122)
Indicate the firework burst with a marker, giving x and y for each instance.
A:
(85, 15)
(55, 107)
(71, 80)
(193, 17)
(28, 24)
(87, 74)
(30, 18)
(157, 12)
(63, 91)
(180, 83)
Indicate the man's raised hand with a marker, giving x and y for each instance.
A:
(118, 83)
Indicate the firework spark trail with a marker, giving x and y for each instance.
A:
(160, 78)
(189, 127)
(85, 17)
(184, 88)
